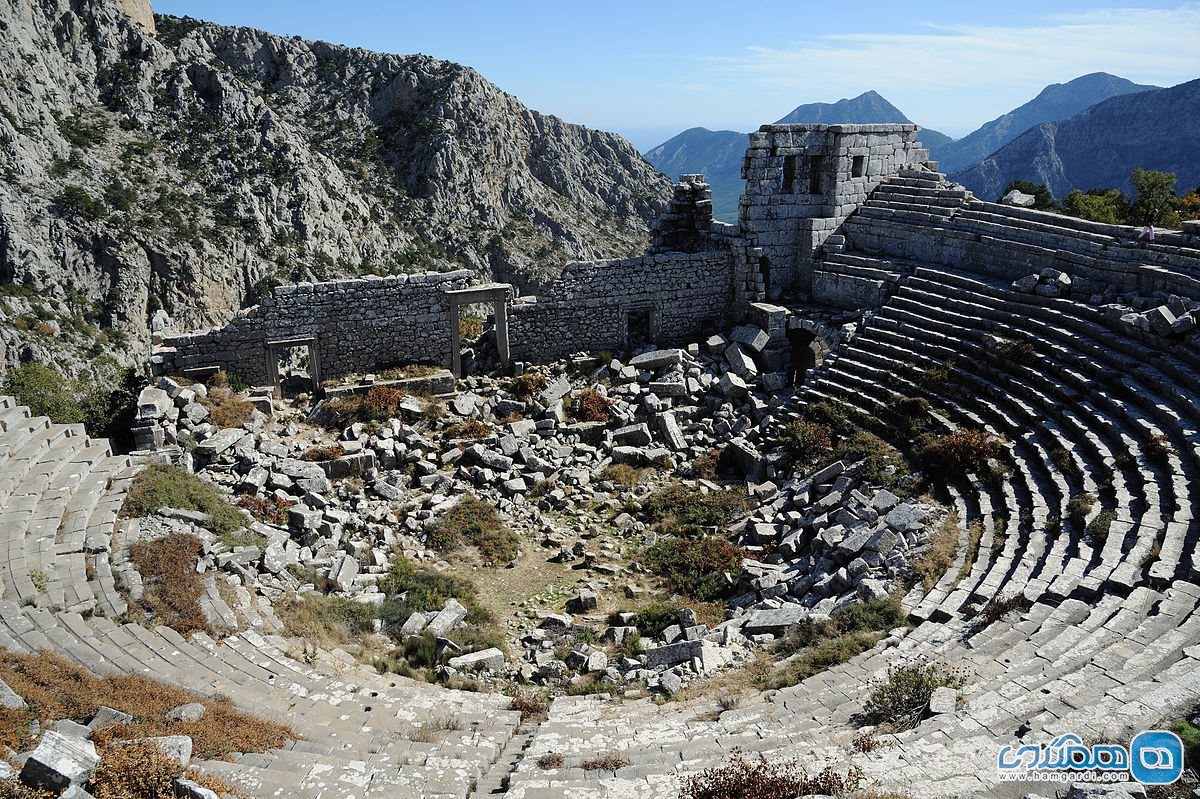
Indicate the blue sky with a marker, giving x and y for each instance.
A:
(651, 69)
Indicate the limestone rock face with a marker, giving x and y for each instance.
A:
(140, 12)
(189, 171)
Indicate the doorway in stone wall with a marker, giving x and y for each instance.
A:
(639, 327)
(294, 366)
(484, 334)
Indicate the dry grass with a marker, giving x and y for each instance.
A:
(173, 588)
(158, 486)
(323, 452)
(142, 771)
(705, 467)
(474, 522)
(974, 536)
(590, 406)
(269, 510)
(622, 474)
(328, 621)
(473, 429)
(528, 384)
(936, 559)
(13, 788)
(227, 408)
(533, 707)
(58, 689)
(551, 761)
(609, 761)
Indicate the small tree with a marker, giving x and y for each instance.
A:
(1097, 205)
(1043, 200)
(1155, 201)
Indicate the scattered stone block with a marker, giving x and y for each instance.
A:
(491, 659)
(59, 762)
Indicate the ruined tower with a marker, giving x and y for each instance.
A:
(802, 181)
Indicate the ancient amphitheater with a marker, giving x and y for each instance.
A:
(855, 217)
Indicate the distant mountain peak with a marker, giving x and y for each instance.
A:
(868, 107)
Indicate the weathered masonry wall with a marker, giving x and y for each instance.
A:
(802, 181)
(592, 305)
(356, 325)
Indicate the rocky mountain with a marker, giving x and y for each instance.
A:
(1056, 101)
(188, 168)
(1101, 146)
(717, 154)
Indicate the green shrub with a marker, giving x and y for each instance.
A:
(884, 463)
(678, 510)
(869, 615)
(45, 392)
(955, 454)
(411, 588)
(807, 441)
(654, 618)
(77, 201)
(742, 778)
(476, 523)
(822, 655)
(162, 486)
(696, 567)
(1190, 735)
(1097, 529)
(1079, 506)
(900, 700)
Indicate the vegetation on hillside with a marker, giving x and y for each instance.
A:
(1155, 201)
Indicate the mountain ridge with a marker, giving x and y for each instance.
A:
(1100, 146)
(184, 173)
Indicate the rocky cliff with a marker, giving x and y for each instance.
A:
(184, 173)
(1101, 146)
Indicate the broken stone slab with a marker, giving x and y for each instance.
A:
(1019, 199)
(220, 442)
(186, 789)
(754, 338)
(943, 700)
(656, 359)
(9, 698)
(884, 501)
(1161, 319)
(905, 517)
(176, 747)
(59, 762)
(491, 659)
(740, 361)
(637, 435)
(153, 403)
(1026, 285)
(583, 602)
(415, 623)
(671, 654)
(774, 621)
(828, 473)
(343, 573)
(188, 714)
(106, 717)
(449, 617)
(672, 436)
(554, 392)
(732, 386)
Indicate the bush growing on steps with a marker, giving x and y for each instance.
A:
(759, 778)
(900, 700)
(173, 588)
(164, 486)
(955, 454)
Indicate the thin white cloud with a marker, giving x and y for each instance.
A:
(919, 71)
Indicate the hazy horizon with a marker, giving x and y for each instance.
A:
(649, 72)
